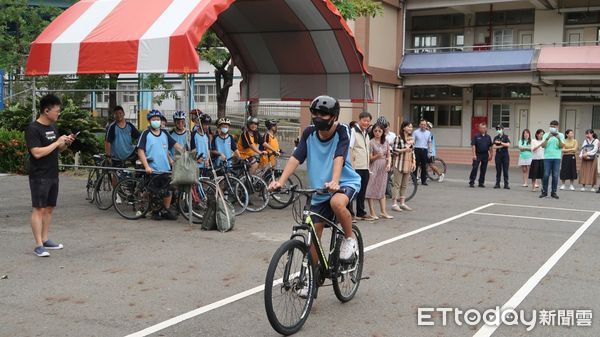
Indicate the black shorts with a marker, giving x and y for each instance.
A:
(44, 192)
(324, 208)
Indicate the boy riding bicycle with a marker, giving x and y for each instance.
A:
(325, 146)
(153, 151)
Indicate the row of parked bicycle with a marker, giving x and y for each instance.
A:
(133, 193)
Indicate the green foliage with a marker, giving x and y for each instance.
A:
(20, 24)
(73, 119)
(157, 82)
(15, 117)
(13, 151)
(352, 9)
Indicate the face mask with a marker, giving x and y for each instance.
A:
(553, 130)
(499, 132)
(224, 130)
(155, 124)
(322, 124)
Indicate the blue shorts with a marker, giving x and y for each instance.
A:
(324, 208)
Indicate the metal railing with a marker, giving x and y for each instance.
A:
(497, 47)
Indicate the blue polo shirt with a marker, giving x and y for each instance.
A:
(180, 138)
(121, 140)
(319, 155)
(200, 142)
(225, 145)
(156, 148)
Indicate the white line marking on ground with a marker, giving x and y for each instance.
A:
(545, 207)
(519, 296)
(199, 311)
(526, 217)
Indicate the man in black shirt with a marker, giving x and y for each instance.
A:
(501, 144)
(44, 146)
(481, 146)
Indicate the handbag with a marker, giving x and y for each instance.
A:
(185, 169)
(587, 148)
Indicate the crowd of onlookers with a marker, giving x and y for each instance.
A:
(543, 156)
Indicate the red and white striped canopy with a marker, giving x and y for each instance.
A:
(286, 49)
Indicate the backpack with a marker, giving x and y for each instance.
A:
(219, 214)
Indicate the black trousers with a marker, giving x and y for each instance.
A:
(422, 161)
(481, 164)
(360, 196)
(502, 162)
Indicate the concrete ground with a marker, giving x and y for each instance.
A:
(460, 248)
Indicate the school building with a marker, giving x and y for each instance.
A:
(519, 64)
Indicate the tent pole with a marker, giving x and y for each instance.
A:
(33, 90)
(187, 105)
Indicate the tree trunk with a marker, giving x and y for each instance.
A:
(224, 81)
(112, 95)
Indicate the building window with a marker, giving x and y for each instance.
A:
(502, 92)
(503, 18)
(437, 93)
(581, 18)
(501, 115)
(102, 97)
(205, 93)
(128, 93)
(596, 117)
(437, 22)
(503, 39)
(438, 42)
(439, 114)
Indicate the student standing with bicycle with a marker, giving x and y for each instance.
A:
(325, 147)
(250, 142)
(223, 146)
(270, 143)
(44, 146)
(153, 151)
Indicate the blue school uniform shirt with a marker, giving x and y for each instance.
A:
(225, 145)
(319, 155)
(121, 140)
(200, 142)
(180, 139)
(157, 149)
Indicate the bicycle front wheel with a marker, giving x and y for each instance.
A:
(236, 193)
(104, 191)
(131, 199)
(91, 183)
(201, 193)
(280, 200)
(348, 275)
(258, 193)
(411, 189)
(289, 287)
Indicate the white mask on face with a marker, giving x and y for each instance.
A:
(224, 130)
(155, 124)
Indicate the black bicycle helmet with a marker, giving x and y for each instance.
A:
(326, 104)
(383, 122)
(251, 120)
(205, 119)
(270, 123)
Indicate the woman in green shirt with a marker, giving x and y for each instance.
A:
(568, 165)
(525, 155)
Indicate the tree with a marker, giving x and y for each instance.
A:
(212, 49)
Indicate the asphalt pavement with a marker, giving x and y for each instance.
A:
(460, 248)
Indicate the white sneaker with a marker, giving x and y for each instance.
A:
(441, 177)
(119, 201)
(572, 188)
(562, 187)
(348, 248)
(583, 189)
(303, 292)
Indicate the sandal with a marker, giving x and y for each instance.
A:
(386, 216)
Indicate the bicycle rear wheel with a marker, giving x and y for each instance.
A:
(411, 189)
(289, 272)
(134, 200)
(258, 194)
(104, 191)
(348, 275)
(440, 165)
(201, 193)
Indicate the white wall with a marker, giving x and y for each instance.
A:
(383, 39)
(549, 26)
(545, 107)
